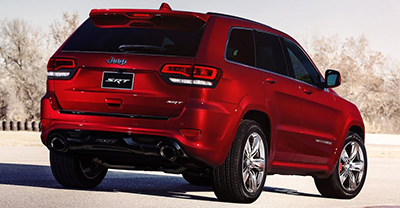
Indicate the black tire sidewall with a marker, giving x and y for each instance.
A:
(68, 172)
(248, 129)
(85, 180)
(351, 194)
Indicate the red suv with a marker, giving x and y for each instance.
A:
(222, 100)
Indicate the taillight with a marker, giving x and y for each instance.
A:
(204, 76)
(185, 70)
(203, 72)
(60, 68)
(139, 15)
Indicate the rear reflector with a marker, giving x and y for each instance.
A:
(190, 132)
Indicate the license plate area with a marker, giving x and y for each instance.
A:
(117, 80)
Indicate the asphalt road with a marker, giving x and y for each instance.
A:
(26, 181)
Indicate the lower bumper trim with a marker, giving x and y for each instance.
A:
(122, 115)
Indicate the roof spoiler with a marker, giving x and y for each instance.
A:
(164, 17)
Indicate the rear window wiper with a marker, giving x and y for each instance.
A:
(141, 48)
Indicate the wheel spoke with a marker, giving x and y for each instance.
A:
(259, 177)
(357, 166)
(247, 149)
(354, 151)
(343, 176)
(258, 164)
(352, 181)
(256, 146)
(344, 156)
(253, 182)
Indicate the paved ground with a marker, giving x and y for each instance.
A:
(26, 181)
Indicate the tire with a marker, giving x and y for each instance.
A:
(350, 172)
(242, 176)
(197, 180)
(76, 173)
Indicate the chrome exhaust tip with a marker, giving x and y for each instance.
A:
(168, 152)
(58, 144)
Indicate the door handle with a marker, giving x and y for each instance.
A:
(308, 92)
(270, 80)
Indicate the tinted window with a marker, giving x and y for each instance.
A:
(303, 69)
(269, 53)
(241, 47)
(135, 40)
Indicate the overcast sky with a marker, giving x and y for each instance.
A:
(378, 20)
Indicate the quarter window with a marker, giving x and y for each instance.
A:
(303, 69)
(241, 47)
(269, 53)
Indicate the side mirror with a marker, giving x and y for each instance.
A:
(332, 78)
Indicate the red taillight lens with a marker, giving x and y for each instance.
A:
(139, 15)
(185, 70)
(60, 68)
(195, 75)
(50, 64)
(60, 63)
(203, 72)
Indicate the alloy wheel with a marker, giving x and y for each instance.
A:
(253, 163)
(351, 166)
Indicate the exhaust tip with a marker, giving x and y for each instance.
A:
(58, 144)
(168, 152)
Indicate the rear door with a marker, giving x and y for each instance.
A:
(282, 96)
(118, 67)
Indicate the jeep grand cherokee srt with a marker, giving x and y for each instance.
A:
(222, 100)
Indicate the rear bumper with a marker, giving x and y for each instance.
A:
(217, 121)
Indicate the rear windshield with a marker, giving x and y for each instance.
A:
(176, 42)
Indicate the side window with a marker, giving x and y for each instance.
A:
(241, 47)
(269, 53)
(303, 69)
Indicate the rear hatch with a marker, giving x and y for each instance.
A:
(112, 63)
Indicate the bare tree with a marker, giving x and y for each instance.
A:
(61, 30)
(24, 52)
(24, 68)
(368, 80)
